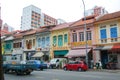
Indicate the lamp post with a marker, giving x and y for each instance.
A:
(85, 32)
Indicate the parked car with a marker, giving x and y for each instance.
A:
(76, 65)
(57, 62)
(40, 64)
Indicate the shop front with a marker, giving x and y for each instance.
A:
(80, 54)
(109, 56)
(28, 54)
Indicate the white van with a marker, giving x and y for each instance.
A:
(55, 62)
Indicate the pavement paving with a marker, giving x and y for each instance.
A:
(106, 70)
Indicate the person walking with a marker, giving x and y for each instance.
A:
(100, 64)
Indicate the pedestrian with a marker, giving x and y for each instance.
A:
(57, 64)
(100, 64)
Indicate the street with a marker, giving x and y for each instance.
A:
(54, 74)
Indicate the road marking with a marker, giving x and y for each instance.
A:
(39, 77)
(55, 79)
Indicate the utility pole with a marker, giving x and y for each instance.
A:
(1, 61)
(85, 31)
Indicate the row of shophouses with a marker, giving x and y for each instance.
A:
(68, 40)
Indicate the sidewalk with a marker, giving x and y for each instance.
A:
(106, 70)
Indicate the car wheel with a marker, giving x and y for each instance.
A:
(65, 68)
(79, 69)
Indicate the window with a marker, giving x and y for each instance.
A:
(103, 34)
(47, 41)
(65, 38)
(27, 43)
(54, 39)
(113, 58)
(33, 42)
(43, 42)
(8, 46)
(89, 37)
(81, 36)
(39, 42)
(74, 37)
(60, 40)
(30, 44)
(113, 31)
(20, 44)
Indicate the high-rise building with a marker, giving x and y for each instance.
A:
(8, 28)
(96, 11)
(60, 21)
(48, 20)
(32, 17)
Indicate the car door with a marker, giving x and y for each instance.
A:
(75, 66)
(69, 66)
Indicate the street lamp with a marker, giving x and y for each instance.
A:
(85, 31)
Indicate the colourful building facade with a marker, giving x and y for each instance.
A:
(29, 41)
(107, 40)
(59, 40)
(77, 39)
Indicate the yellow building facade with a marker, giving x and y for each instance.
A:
(107, 40)
(59, 40)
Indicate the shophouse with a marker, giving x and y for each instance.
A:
(59, 40)
(107, 39)
(29, 43)
(43, 42)
(8, 45)
(79, 46)
(18, 46)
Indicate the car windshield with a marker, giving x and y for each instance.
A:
(33, 62)
(53, 60)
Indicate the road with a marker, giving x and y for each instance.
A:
(53, 74)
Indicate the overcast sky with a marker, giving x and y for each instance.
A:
(68, 10)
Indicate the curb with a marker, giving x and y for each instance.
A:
(105, 70)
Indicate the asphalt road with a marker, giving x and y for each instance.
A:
(52, 74)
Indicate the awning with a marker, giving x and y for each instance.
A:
(117, 46)
(62, 52)
(38, 54)
(98, 48)
(76, 53)
(109, 47)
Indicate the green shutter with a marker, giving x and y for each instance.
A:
(60, 40)
(65, 38)
(54, 39)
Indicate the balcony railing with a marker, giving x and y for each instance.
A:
(82, 43)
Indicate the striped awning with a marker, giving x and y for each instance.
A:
(38, 54)
(99, 48)
(117, 46)
(108, 47)
(77, 53)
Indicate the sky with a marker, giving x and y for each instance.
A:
(68, 10)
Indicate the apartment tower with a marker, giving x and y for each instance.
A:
(32, 17)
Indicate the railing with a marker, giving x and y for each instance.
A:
(82, 43)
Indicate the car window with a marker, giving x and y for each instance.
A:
(33, 62)
(71, 62)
